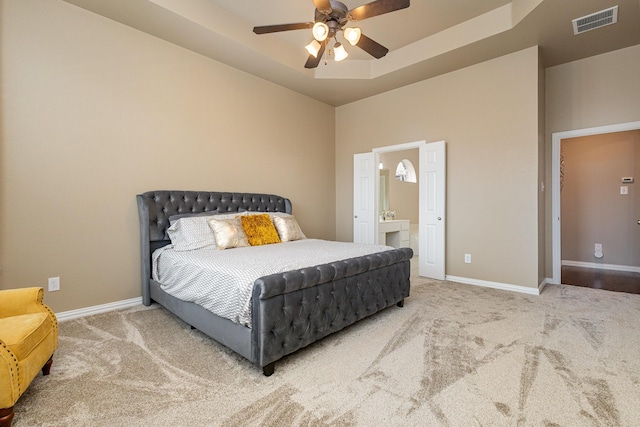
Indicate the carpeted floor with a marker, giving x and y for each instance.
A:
(455, 355)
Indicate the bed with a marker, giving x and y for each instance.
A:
(289, 310)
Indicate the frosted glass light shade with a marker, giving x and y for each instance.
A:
(320, 31)
(339, 52)
(313, 48)
(352, 35)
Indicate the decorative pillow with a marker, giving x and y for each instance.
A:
(192, 232)
(288, 228)
(259, 229)
(228, 233)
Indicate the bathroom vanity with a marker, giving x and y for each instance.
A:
(394, 233)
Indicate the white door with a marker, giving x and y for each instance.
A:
(364, 191)
(432, 210)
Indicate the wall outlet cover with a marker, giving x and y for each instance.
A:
(54, 284)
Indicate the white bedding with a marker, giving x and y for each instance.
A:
(222, 281)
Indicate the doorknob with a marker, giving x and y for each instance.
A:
(355, 216)
(439, 219)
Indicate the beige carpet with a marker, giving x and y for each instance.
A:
(455, 355)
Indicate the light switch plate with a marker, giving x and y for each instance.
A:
(624, 190)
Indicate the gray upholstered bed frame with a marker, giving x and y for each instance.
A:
(289, 310)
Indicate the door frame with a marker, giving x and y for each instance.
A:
(556, 140)
(402, 147)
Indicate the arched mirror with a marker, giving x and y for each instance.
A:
(405, 171)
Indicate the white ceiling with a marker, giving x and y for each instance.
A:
(429, 38)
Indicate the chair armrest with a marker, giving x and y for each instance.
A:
(14, 302)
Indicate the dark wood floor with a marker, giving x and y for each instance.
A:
(619, 281)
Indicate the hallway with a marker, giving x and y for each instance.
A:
(619, 281)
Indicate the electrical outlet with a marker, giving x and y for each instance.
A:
(598, 247)
(467, 258)
(54, 284)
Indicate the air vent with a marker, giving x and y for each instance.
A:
(595, 20)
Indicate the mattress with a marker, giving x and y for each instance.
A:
(222, 281)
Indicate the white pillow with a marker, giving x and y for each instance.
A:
(288, 228)
(271, 214)
(228, 233)
(193, 232)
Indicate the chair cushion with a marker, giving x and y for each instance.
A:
(23, 333)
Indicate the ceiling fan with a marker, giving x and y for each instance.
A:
(331, 17)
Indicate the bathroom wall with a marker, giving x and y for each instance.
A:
(403, 196)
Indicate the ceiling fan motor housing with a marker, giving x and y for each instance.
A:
(338, 14)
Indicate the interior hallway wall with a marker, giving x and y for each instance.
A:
(593, 208)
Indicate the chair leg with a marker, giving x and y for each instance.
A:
(6, 415)
(47, 366)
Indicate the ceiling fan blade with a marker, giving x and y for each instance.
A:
(313, 61)
(266, 29)
(323, 6)
(376, 8)
(372, 47)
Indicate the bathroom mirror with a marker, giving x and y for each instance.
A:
(384, 190)
(405, 171)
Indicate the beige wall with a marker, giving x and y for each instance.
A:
(593, 210)
(489, 115)
(597, 91)
(543, 188)
(94, 112)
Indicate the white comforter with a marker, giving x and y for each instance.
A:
(222, 281)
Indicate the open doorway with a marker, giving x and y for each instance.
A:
(399, 201)
(432, 191)
(596, 206)
(431, 200)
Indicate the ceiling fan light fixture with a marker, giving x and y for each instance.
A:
(339, 52)
(320, 31)
(313, 48)
(331, 17)
(352, 35)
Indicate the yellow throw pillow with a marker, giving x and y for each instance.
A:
(228, 233)
(259, 229)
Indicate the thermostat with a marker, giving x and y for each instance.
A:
(627, 180)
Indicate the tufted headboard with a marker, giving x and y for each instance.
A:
(155, 208)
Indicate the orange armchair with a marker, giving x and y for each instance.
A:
(28, 338)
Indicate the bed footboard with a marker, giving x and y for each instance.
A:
(294, 309)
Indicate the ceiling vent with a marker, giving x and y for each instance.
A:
(595, 20)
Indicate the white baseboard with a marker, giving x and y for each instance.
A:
(495, 285)
(97, 309)
(599, 266)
